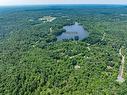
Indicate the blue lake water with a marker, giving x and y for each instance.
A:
(75, 32)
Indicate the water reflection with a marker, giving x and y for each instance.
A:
(75, 32)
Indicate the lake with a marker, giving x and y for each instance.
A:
(75, 32)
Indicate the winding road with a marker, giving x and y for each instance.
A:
(120, 78)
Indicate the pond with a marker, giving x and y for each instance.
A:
(75, 32)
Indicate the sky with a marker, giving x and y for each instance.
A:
(32, 2)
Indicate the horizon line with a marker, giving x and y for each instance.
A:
(63, 4)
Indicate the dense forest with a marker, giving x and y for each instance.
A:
(33, 62)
